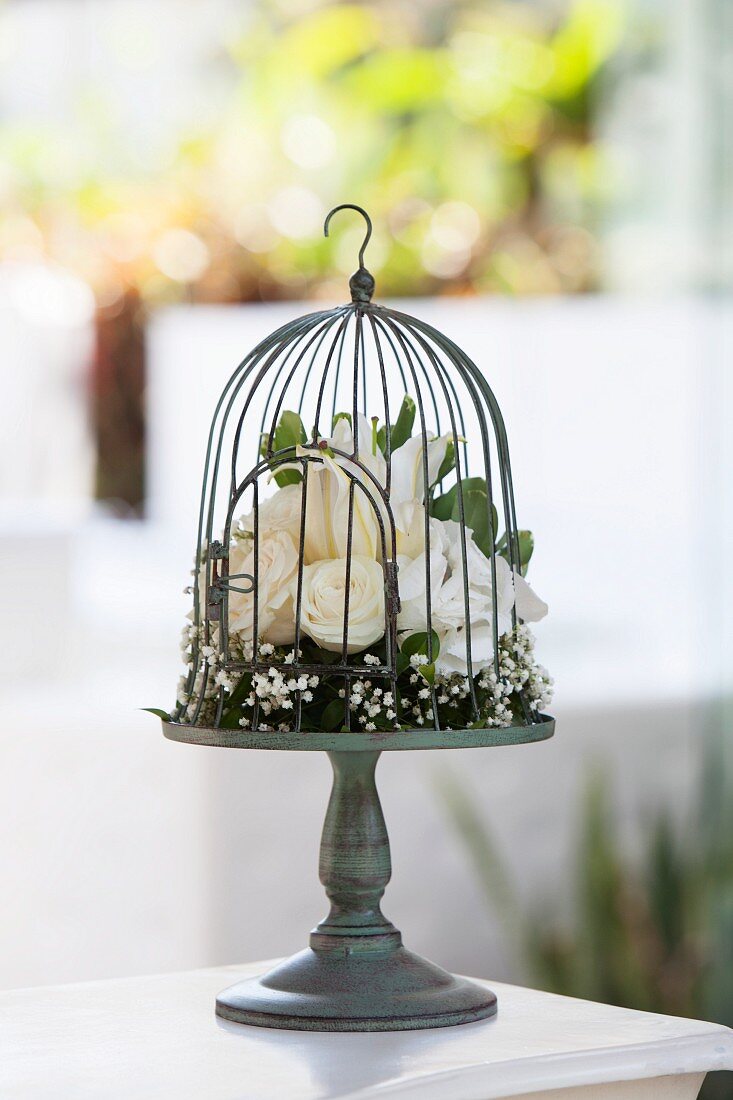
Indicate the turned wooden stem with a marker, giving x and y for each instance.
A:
(354, 864)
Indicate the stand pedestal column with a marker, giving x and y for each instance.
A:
(356, 975)
(355, 864)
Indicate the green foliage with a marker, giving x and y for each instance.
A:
(232, 710)
(476, 511)
(401, 430)
(526, 549)
(332, 717)
(485, 172)
(417, 645)
(448, 462)
(289, 433)
(656, 934)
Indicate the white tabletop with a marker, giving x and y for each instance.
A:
(158, 1037)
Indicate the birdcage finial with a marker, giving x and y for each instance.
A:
(361, 282)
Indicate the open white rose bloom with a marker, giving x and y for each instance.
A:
(359, 561)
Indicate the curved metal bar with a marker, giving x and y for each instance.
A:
(462, 521)
(231, 388)
(426, 526)
(462, 361)
(412, 357)
(281, 458)
(365, 216)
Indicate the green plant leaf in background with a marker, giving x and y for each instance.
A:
(479, 177)
(400, 80)
(654, 933)
(326, 40)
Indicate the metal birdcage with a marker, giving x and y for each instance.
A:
(375, 575)
(361, 363)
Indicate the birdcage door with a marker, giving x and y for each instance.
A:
(305, 579)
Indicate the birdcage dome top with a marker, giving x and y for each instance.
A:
(359, 567)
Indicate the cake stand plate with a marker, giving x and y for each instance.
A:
(356, 975)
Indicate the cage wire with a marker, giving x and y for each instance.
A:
(358, 360)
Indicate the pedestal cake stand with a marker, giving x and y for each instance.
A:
(356, 975)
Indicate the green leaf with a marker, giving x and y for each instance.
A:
(289, 432)
(399, 80)
(428, 673)
(476, 516)
(240, 692)
(448, 462)
(418, 643)
(230, 718)
(442, 506)
(288, 477)
(319, 43)
(526, 549)
(333, 715)
(402, 663)
(401, 431)
(164, 714)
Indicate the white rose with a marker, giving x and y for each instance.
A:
(413, 579)
(511, 590)
(280, 512)
(278, 568)
(453, 655)
(478, 569)
(323, 600)
(450, 612)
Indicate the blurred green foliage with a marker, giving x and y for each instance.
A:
(654, 934)
(464, 128)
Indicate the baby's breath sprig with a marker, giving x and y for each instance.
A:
(276, 691)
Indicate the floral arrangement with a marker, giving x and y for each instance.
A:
(433, 676)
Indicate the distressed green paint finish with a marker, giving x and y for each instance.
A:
(355, 864)
(359, 741)
(356, 975)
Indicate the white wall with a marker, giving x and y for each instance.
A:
(125, 853)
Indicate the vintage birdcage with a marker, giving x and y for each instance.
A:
(352, 593)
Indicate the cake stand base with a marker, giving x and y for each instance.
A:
(398, 991)
(356, 975)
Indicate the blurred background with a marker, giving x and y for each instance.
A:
(551, 184)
